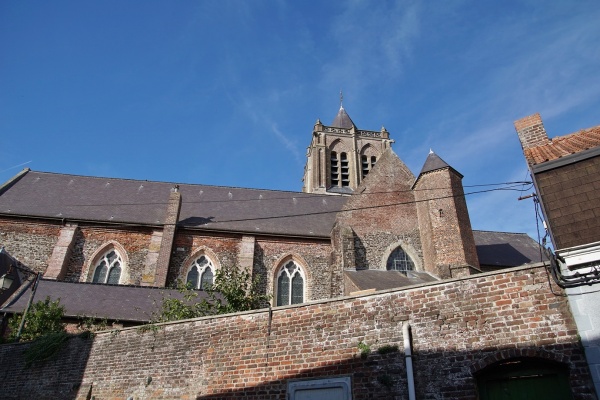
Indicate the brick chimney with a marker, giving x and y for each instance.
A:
(531, 131)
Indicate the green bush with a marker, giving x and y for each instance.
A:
(43, 317)
(234, 290)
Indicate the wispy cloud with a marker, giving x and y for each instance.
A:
(373, 41)
(255, 108)
(288, 143)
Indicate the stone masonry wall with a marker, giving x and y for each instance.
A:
(223, 247)
(312, 256)
(382, 213)
(32, 244)
(29, 242)
(90, 239)
(458, 328)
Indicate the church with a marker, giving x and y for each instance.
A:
(379, 286)
(363, 222)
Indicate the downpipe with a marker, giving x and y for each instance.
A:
(408, 360)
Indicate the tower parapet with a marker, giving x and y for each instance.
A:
(340, 155)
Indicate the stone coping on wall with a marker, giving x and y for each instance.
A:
(341, 298)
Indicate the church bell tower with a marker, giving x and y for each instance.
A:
(340, 155)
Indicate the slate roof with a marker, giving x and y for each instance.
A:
(113, 302)
(433, 163)
(562, 146)
(503, 249)
(342, 120)
(217, 208)
(382, 280)
(494, 249)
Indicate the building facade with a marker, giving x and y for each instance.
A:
(566, 174)
(371, 269)
(376, 226)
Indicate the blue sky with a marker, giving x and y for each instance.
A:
(226, 92)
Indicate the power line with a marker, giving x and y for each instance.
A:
(307, 196)
(361, 208)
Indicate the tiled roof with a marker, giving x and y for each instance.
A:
(218, 208)
(564, 145)
(113, 302)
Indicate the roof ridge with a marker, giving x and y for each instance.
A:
(180, 183)
(511, 233)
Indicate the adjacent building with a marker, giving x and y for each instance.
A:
(566, 174)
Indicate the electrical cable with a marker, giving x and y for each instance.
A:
(306, 196)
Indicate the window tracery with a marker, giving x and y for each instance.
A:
(400, 261)
(108, 268)
(201, 273)
(290, 284)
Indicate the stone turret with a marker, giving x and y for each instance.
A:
(448, 243)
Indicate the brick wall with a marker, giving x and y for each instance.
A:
(444, 223)
(459, 327)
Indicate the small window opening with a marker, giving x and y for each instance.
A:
(334, 169)
(345, 170)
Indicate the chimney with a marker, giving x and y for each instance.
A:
(531, 131)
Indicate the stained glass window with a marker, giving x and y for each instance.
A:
(290, 285)
(201, 273)
(400, 261)
(108, 269)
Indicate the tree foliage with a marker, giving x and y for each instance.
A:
(233, 290)
(43, 317)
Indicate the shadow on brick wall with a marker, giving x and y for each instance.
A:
(447, 374)
(59, 377)
(443, 374)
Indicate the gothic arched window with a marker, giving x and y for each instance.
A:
(201, 273)
(400, 261)
(108, 268)
(290, 284)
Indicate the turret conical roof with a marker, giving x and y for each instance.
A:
(433, 163)
(342, 120)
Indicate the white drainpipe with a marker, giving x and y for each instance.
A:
(408, 360)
